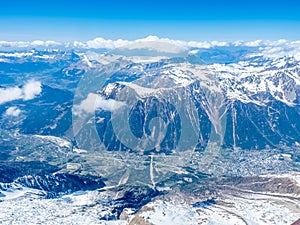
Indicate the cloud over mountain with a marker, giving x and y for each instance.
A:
(29, 91)
(266, 48)
(13, 111)
(95, 101)
(29, 44)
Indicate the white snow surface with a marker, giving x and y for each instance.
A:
(80, 208)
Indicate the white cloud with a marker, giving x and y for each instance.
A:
(87, 105)
(253, 43)
(16, 54)
(29, 91)
(261, 43)
(268, 48)
(108, 104)
(78, 44)
(194, 52)
(95, 101)
(155, 46)
(10, 94)
(18, 44)
(106, 43)
(45, 43)
(13, 111)
(26, 44)
(281, 48)
(273, 49)
(141, 43)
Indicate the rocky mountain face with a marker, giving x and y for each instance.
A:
(251, 104)
(141, 128)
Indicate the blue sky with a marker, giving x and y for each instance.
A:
(188, 20)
